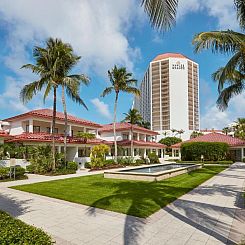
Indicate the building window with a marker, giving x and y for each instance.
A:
(125, 137)
(48, 130)
(27, 128)
(56, 130)
(244, 152)
(84, 152)
(36, 129)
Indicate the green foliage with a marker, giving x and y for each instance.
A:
(14, 231)
(168, 141)
(126, 161)
(211, 151)
(72, 166)
(195, 134)
(153, 157)
(87, 165)
(85, 136)
(41, 160)
(139, 162)
(243, 160)
(4, 173)
(98, 155)
(133, 116)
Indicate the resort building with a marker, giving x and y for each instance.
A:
(236, 145)
(170, 95)
(142, 139)
(34, 128)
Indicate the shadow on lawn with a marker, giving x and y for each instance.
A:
(199, 215)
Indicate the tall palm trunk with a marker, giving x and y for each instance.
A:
(66, 126)
(114, 126)
(132, 138)
(53, 127)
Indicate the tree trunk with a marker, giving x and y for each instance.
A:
(132, 138)
(114, 126)
(53, 128)
(66, 126)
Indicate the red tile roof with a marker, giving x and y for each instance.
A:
(125, 126)
(170, 55)
(45, 137)
(141, 143)
(214, 137)
(4, 134)
(48, 113)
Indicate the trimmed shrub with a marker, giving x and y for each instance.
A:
(243, 160)
(98, 155)
(211, 151)
(87, 165)
(168, 141)
(14, 231)
(126, 161)
(72, 166)
(153, 157)
(30, 168)
(139, 162)
(19, 171)
(228, 162)
(109, 162)
(4, 173)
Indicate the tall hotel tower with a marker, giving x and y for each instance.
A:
(170, 95)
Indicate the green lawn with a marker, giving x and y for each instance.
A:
(136, 198)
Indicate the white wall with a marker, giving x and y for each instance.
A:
(178, 95)
(16, 128)
(110, 136)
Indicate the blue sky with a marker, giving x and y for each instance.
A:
(116, 32)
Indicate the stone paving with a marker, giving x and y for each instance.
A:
(213, 214)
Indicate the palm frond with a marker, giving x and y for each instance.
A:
(74, 96)
(162, 13)
(132, 90)
(219, 41)
(29, 90)
(227, 93)
(107, 91)
(81, 78)
(240, 6)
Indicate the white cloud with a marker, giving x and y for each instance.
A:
(102, 108)
(214, 118)
(223, 10)
(96, 29)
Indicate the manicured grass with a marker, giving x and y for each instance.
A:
(14, 231)
(136, 198)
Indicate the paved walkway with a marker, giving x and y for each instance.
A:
(210, 214)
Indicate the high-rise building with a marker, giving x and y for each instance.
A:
(170, 95)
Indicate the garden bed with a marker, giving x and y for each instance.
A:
(14, 231)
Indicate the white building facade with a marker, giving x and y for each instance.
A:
(170, 95)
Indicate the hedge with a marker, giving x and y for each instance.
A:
(225, 162)
(14, 231)
(211, 151)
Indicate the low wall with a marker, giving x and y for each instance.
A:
(20, 162)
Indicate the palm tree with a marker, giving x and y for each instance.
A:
(240, 128)
(231, 77)
(70, 83)
(121, 81)
(145, 125)
(162, 13)
(133, 117)
(53, 65)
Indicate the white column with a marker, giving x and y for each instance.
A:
(30, 125)
(51, 127)
(172, 152)
(144, 137)
(179, 154)
(130, 136)
(69, 130)
(138, 136)
(76, 155)
(162, 155)
(59, 149)
(144, 152)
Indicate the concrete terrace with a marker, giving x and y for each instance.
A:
(212, 213)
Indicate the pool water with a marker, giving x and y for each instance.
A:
(155, 169)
